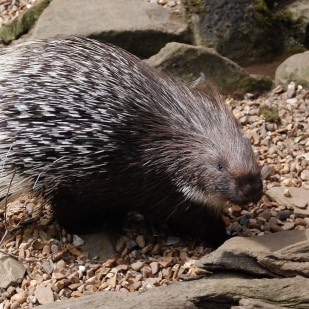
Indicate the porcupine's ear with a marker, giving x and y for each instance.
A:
(198, 82)
(206, 85)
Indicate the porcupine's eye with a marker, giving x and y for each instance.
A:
(220, 166)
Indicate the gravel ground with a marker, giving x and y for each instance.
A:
(57, 268)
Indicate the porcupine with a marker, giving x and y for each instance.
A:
(90, 128)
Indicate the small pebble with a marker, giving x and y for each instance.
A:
(260, 220)
(131, 244)
(15, 305)
(77, 241)
(287, 192)
(284, 214)
(253, 224)
(137, 265)
(19, 298)
(291, 89)
(44, 295)
(82, 268)
(154, 267)
(304, 175)
(140, 240)
(306, 221)
(266, 214)
(288, 226)
(292, 101)
(61, 264)
(300, 221)
(54, 248)
(244, 219)
(121, 244)
(172, 4)
(172, 240)
(235, 227)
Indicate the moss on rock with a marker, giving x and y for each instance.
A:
(282, 31)
(188, 61)
(270, 114)
(23, 23)
(194, 6)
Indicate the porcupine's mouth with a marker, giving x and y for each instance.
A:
(249, 189)
(218, 202)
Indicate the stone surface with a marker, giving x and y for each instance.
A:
(299, 9)
(215, 26)
(244, 30)
(138, 26)
(289, 261)
(283, 253)
(298, 197)
(188, 62)
(216, 292)
(44, 295)
(11, 271)
(294, 68)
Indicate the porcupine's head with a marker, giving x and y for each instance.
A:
(210, 160)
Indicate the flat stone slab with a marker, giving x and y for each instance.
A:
(216, 292)
(278, 254)
(137, 25)
(188, 62)
(299, 197)
(11, 271)
(81, 17)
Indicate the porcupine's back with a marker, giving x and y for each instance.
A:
(88, 127)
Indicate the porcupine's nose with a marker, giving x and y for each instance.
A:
(251, 188)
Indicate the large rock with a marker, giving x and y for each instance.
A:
(294, 68)
(279, 254)
(138, 26)
(246, 30)
(188, 62)
(216, 292)
(222, 25)
(299, 10)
